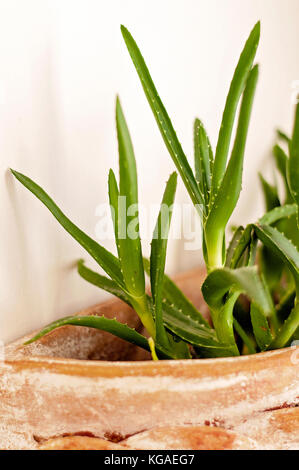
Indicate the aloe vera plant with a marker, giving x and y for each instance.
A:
(261, 262)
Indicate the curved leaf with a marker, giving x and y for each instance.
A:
(179, 350)
(102, 282)
(158, 255)
(194, 333)
(282, 135)
(203, 160)
(246, 280)
(293, 167)
(113, 192)
(281, 160)
(270, 194)
(164, 123)
(236, 89)
(286, 251)
(225, 200)
(260, 327)
(234, 243)
(129, 244)
(100, 323)
(239, 246)
(173, 295)
(104, 258)
(278, 213)
(288, 330)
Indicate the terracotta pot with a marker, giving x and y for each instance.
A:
(79, 388)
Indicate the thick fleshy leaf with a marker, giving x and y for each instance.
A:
(282, 247)
(223, 320)
(252, 250)
(281, 160)
(286, 304)
(236, 238)
(203, 160)
(113, 199)
(194, 332)
(222, 289)
(271, 267)
(236, 89)
(176, 298)
(104, 324)
(246, 280)
(261, 329)
(283, 136)
(293, 167)
(158, 255)
(130, 254)
(270, 194)
(167, 131)
(104, 258)
(102, 282)
(238, 246)
(288, 330)
(178, 350)
(277, 214)
(225, 200)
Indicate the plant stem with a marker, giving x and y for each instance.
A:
(214, 244)
(140, 305)
(151, 344)
(224, 322)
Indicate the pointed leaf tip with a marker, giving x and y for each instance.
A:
(257, 29)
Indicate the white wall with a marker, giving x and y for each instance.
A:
(61, 65)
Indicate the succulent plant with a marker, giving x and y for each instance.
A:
(260, 264)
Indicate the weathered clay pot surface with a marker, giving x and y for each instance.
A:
(53, 396)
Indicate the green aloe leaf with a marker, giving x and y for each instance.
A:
(286, 304)
(102, 282)
(240, 242)
(104, 324)
(252, 250)
(271, 267)
(158, 255)
(104, 258)
(164, 123)
(261, 329)
(288, 253)
(278, 213)
(224, 321)
(236, 238)
(281, 160)
(221, 290)
(293, 167)
(229, 191)
(130, 254)
(236, 89)
(282, 136)
(176, 298)
(113, 199)
(288, 330)
(203, 160)
(270, 194)
(179, 350)
(127, 225)
(282, 247)
(194, 332)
